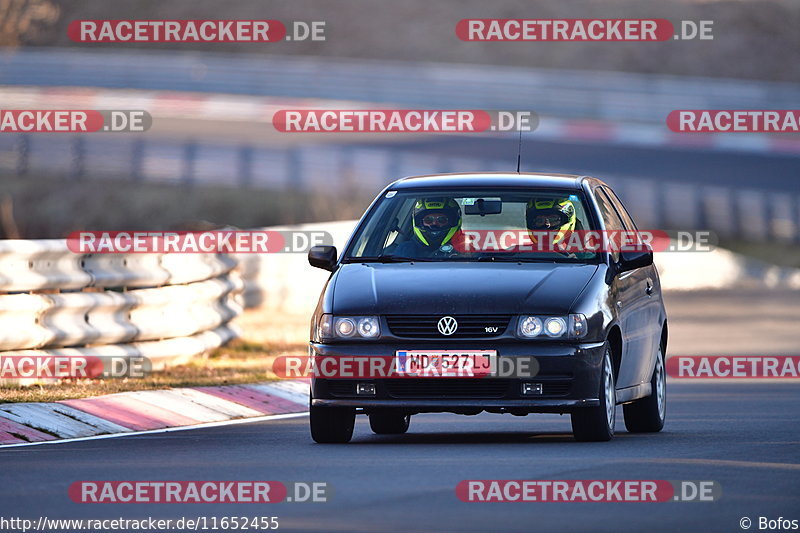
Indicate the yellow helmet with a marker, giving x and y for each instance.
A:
(436, 220)
(550, 214)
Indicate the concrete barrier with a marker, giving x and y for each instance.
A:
(168, 308)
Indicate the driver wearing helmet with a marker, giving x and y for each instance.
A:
(551, 218)
(436, 223)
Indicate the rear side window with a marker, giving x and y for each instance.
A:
(610, 217)
(623, 213)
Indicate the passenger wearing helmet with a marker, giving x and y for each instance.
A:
(553, 215)
(435, 224)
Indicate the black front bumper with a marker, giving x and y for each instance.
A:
(569, 375)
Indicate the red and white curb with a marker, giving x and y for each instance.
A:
(143, 411)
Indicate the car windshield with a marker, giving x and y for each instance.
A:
(473, 225)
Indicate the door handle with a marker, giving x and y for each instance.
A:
(649, 289)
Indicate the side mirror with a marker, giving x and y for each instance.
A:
(323, 257)
(631, 260)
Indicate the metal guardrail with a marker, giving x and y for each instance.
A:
(736, 211)
(165, 307)
(557, 92)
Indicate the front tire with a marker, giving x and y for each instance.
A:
(332, 425)
(596, 424)
(389, 423)
(647, 415)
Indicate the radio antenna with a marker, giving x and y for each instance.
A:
(519, 150)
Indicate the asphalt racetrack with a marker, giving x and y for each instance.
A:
(743, 436)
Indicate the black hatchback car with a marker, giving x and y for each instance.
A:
(476, 293)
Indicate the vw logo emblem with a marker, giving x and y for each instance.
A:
(447, 325)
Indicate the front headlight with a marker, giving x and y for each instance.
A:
(344, 327)
(368, 327)
(530, 326)
(347, 327)
(555, 327)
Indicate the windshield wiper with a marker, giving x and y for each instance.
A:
(388, 259)
(497, 258)
(511, 259)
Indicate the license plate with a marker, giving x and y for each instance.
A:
(447, 363)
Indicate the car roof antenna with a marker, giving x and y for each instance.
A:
(519, 150)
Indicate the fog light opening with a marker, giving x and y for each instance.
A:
(365, 389)
(531, 389)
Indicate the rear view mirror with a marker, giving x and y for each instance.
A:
(484, 207)
(323, 257)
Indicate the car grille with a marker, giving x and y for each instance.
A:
(341, 387)
(556, 388)
(447, 388)
(469, 326)
(450, 388)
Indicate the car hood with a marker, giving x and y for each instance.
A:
(458, 288)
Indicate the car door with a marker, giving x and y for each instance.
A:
(645, 302)
(629, 290)
(652, 306)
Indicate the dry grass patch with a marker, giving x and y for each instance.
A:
(239, 362)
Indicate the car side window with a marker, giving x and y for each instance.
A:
(611, 219)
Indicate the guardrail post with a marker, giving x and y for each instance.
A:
(660, 206)
(346, 163)
(246, 166)
(393, 168)
(737, 223)
(78, 157)
(189, 159)
(769, 218)
(294, 168)
(137, 160)
(702, 209)
(795, 213)
(23, 155)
